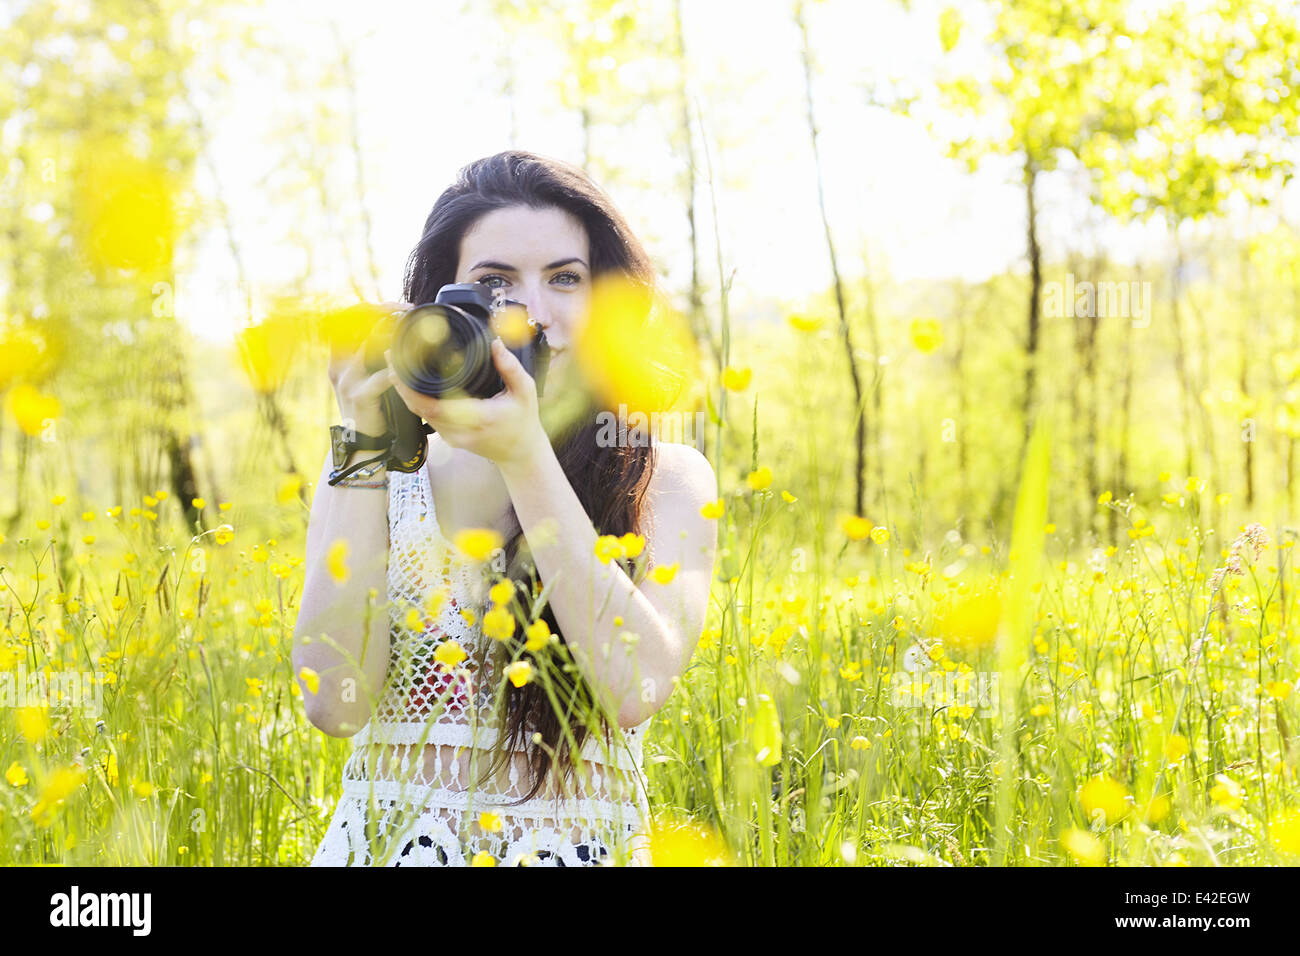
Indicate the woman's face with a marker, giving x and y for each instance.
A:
(539, 257)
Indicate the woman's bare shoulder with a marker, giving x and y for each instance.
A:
(680, 468)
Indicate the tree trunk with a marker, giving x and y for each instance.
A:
(846, 334)
(1035, 294)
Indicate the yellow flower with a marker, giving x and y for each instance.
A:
(449, 655)
(224, 534)
(713, 509)
(33, 723)
(198, 503)
(760, 479)
(927, 334)
(502, 591)
(223, 505)
(337, 561)
(489, 822)
(1279, 689)
(520, 673)
(538, 634)
(608, 548)
(1227, 792)
(483, 858)
(88, 539)
(664, 573)
(1176, 748)
(254, 686)
(804, 323)
(788, 498)
(31, 409)
(499, 624)
(1104, 498)
(633, 349)
(971, 622)
(632, 544)
(736, 379)
(310, 679)
(288, 490)
(860, 743)
(880, 535)
(1285, 832)
(477, 543)
(675, 844)
(16, 775)
(110, 769)
(434, 602)
(1157, 809)
(855, 526)
(1105, 796)
(414, 621)
(60, 785)
(1086, 849)
(143, 789)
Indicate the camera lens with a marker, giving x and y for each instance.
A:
(439, 349)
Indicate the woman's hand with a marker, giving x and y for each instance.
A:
(359, 391)
(505, 428)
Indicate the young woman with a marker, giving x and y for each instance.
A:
(478, 748)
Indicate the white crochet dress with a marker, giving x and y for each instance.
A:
(425, 812)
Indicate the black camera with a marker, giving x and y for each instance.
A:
(444, 349)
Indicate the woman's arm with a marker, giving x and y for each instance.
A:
(634, 676)
(342, 631)
(344, 609)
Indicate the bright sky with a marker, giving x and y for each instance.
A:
(428, 93)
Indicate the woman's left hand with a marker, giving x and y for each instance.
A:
(505, 428)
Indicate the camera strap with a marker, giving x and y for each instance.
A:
(338, 476)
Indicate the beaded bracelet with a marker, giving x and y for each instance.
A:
(365, 478)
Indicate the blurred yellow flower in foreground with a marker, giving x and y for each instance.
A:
(127, 215)
(477, 543)
(1176, 748)
(1285, 832)
(713, 509)
(855, 527)
(310, 679)
(971, 621)
(760, 479)
(33, 723)
(520, 673)
(927, 334)
(499, 624)
(1085, 848)
(687, 844)
(483, 858)
(289, 488)
(736, 379)
(30, 408)
(803, 323)
(1105, 796)
(337, 561)
(539, 633)
(634, 350)
(664, 573)
(489, 822)
(266, 351)
(16, 775)
(60, 785)
(1227, 792)
(449, 655)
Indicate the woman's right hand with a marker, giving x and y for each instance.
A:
(359, 390)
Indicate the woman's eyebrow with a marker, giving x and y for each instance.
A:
(491, 264)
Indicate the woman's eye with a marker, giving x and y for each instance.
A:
(571, 275)
(487, 280)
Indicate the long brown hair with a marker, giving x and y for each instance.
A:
(609, 478)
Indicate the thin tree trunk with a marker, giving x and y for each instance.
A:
(859, 410)
(1035, 293)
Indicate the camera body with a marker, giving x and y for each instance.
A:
(444, 349)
